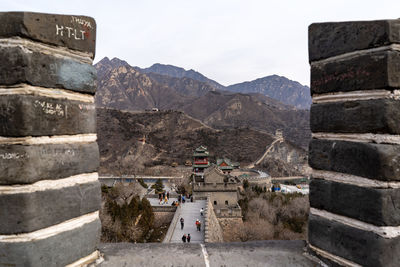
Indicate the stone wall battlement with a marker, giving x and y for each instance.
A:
(212, 229)
(355, 150)
(49, 188)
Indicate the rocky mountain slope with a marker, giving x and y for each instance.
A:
(274, 86)
(131, 141)
(177, 72)
(284, 159)
(123, 87)
(279, 88)
(222, 110)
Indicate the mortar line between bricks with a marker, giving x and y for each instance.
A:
(46, 49)
(384, 231)
(25, 89)
(356, 96)
(359, 137)
(353, 179)
(334, 258)
(52, 230)
(43, 140)
(44, 185)
(349, 55)
(85, 261)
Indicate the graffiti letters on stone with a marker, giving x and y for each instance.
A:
(70, 32)
(13, 156)
(86, 107)
(53, 69)
(81, 21)
(58, 151)
(50, 108)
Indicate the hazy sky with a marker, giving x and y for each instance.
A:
(229, 41)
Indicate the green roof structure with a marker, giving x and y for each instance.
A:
(201, 151)
(224, 164)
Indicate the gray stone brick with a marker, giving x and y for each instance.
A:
(21, 164)
(28, 212)
(73, 32)
(19, 66)
(56, 250)
(376, 161)
(27, 115)
(363, 247)
(367, 116)
(379, 70)
(335, 38)
(373, 205)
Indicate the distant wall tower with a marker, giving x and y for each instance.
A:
(279, 133)
(49, 188)
(354, 215)
(200, 161)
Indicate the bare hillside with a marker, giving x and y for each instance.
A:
(170, 136)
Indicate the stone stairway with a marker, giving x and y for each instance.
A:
(190, 211)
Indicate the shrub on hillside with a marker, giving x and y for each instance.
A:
(142, 183)
(125, 217)
(271, 215)
(158, 186)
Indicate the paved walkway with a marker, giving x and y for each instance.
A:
(254, 254)
(190, 211)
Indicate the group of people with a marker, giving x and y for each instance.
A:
(175, 203)
(163, 197)
(185, 197)
(186, 238)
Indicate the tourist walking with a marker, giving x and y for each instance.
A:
(168, 194)
(182, 223)
(188, 238)
(184, 238)
(166, 200)
(198, 225)
(201, 211)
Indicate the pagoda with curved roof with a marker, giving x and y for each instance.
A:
(200, 161)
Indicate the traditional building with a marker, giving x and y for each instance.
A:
(223, 190)
(200, 161)
(226, 165)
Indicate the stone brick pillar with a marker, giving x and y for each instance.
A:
(49, 189)
(355, 149)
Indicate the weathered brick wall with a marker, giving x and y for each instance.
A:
(49, 189)
(172, 225)
(232, 228)
(355, 150)
(229, 212)
(212, 230)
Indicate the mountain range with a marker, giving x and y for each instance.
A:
(274, 86)
(166, 87)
